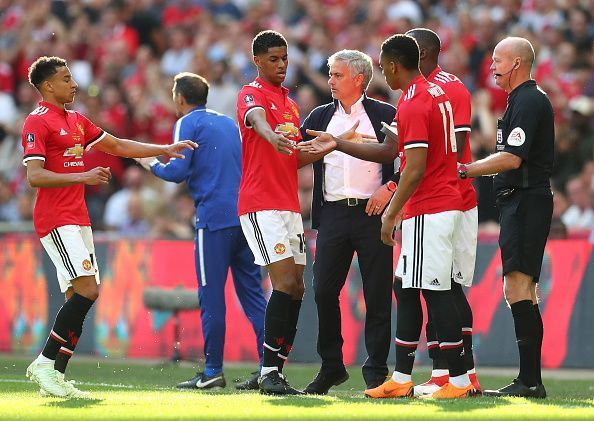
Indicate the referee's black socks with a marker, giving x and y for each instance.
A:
(540, 334)
(275, 326)
(527, 334)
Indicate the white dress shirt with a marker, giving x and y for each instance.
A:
(344, 175)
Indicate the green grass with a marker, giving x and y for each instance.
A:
(133, 390)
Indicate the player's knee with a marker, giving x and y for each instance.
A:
(87, 287)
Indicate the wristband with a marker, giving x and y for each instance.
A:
(391, 186)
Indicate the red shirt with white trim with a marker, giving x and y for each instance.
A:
(59, 137)
(460, 100)
(424, 120)
(268, 178)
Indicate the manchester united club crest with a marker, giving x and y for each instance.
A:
(280, 248)
(86, 264)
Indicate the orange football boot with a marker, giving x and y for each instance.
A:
(391, 389)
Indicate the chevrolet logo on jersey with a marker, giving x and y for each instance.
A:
(288, 129)
(76, 151)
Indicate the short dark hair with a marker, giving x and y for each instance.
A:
(193, 87)
(403, 49)
(267, 39)
(43, 68)
(426, 39)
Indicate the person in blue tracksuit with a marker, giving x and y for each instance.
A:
(212, 173)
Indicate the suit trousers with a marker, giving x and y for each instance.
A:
(343, 231)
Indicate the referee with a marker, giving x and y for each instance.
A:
(522, 164)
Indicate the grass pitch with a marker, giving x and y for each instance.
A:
(133, 390)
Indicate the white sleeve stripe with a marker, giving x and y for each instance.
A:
(31, 158)
(416, 145)
(177, 130)
(94, 142)
(462, 129)
(245, 120)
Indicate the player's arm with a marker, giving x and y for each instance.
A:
(176, 170)
(352, 143)
(460, 144)
(256, 118)
(411, 176)
(304, 157)
(131, 149)
(38, 176)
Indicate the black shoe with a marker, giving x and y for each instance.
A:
(518, 388)
(249, 384)
(274, 383)
(203, 382)
(324, 381)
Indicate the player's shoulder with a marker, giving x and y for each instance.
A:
(253, 86)
(41, 112)
(37, 117)
(418, 95)
(450, 83)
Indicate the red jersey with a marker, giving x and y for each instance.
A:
(59, 137)
(460, 100)
(268, 178)
(424, 119)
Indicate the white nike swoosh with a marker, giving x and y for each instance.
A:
(199, 383)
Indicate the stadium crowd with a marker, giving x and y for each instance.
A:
(123, 54)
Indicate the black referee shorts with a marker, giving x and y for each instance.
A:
(525, 220)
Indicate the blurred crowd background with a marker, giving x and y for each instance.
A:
(124, 53)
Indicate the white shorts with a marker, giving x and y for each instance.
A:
(465, 238)
(426, 260)
(274, 235)
(72, 251)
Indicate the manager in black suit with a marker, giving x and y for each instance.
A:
(349, 197)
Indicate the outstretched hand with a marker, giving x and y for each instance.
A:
(175, 149)
(282, 144)
(325, 142)
(352, 135)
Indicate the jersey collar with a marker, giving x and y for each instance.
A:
(434, 72)
(61, 111)
(529, 82)
(280, 90)
(418, 79)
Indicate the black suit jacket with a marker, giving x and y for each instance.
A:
(319, 118)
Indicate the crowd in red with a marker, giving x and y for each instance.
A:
(123, 54)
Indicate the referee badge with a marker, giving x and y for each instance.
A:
(280, 248)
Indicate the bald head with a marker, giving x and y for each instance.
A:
(517, 47)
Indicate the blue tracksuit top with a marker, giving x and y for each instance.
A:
(212, 171)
